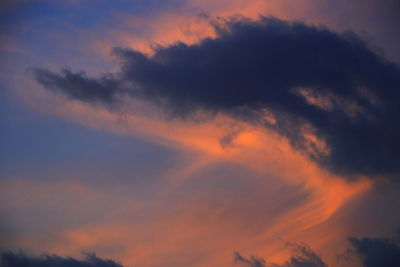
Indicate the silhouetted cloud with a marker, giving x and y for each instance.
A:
(303, 256)
(253, 261)
(78, 86)
(309, 78)
(376, 252)
(20, 259)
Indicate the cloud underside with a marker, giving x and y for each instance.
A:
(308, 78)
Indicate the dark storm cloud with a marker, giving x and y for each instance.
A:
(269, 63)
(376, 252)
(304, 257)
(20, 259)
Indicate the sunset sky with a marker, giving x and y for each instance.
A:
(204, 133)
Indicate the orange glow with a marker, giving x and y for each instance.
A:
(201, 227)
(183, 226)
(190, 23)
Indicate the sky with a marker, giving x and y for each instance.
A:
(175, 133)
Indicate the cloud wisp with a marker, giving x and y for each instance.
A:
(313, 81)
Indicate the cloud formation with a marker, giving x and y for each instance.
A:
(20, 259)
(376, 252)
(253, 261)
(328, 93)
(303, 257)
(372, 252)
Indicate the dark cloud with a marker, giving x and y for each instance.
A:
(303, 256)
(253, 261)
(78, 86)
(304, 75)
(20, 259)
(376, 252)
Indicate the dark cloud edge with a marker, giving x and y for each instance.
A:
(268, 63)
(370, 252)
(22, 259)
(302, 256)
(376, 252)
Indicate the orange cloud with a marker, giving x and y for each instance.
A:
(192, 229)
(206, 233)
